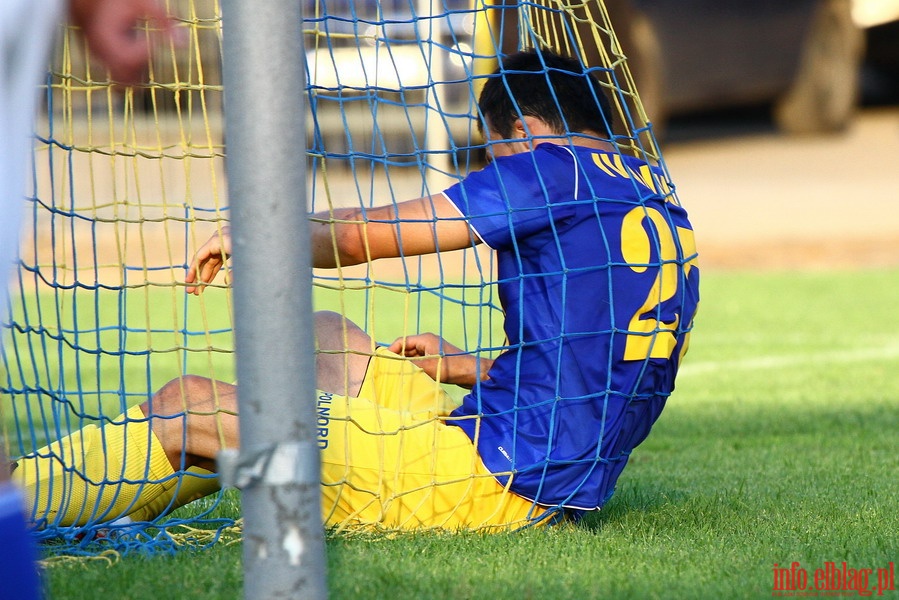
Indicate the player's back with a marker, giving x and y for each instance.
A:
(593, 279)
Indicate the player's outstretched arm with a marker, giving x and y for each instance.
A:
(351, 236)
(208, 261)
(441, 360)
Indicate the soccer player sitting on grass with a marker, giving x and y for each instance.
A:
(598, 281)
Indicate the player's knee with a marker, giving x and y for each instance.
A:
(329, 328)
(334, 332)
(181, 395)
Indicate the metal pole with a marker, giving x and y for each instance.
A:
(278, 464)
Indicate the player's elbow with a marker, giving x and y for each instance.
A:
(337, 240)
(349, 244)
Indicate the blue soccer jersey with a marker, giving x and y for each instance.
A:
(598, 281)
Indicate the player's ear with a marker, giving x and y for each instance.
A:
(520, 128)
(528, 126)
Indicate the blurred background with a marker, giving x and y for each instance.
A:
(774, 175)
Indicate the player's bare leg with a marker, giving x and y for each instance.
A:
(343, 352)
(194, 418)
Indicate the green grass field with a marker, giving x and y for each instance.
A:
(779, 446)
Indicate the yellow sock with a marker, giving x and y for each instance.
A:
(99, 474)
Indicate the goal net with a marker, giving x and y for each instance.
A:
(127, 184)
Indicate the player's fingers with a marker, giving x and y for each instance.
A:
(191, 274)
(406, 346)
(191, 277)
(193, 271)
(398, 346)
(201, 271)
(209, 270)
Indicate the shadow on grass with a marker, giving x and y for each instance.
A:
(729, 467)
(647, 500)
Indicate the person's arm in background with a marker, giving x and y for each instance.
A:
(110, 28)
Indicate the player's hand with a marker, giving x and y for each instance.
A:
(441, 360)
(208, 261)
(110, 29)
(427, 349)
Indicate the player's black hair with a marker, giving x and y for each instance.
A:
(554, 88)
